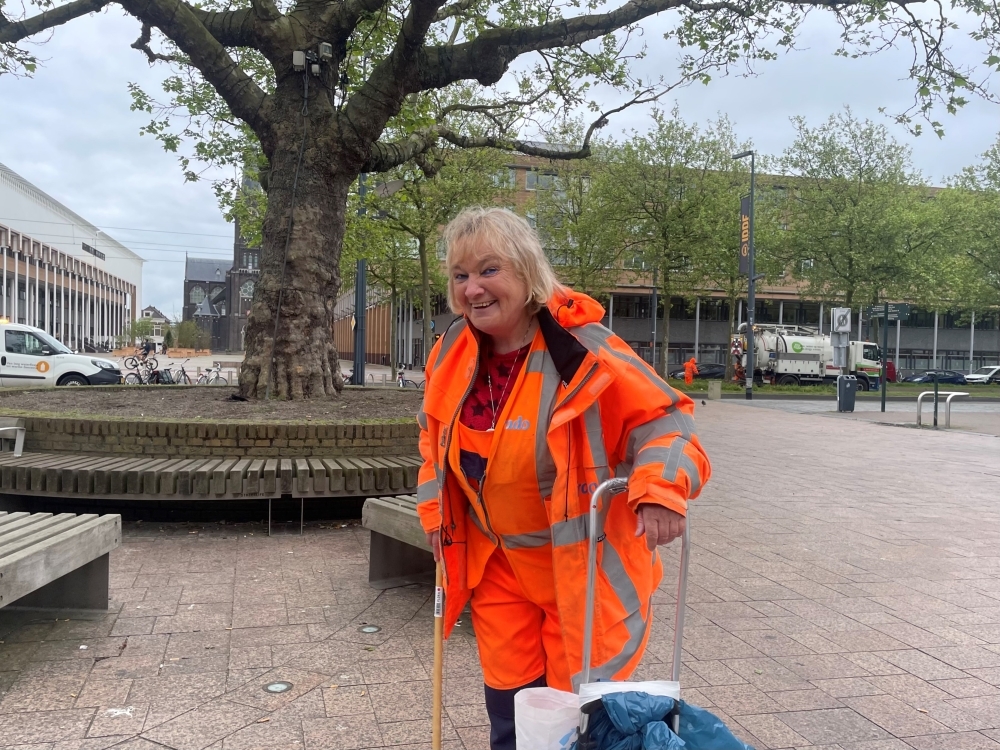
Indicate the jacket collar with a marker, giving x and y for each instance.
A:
(567, 353)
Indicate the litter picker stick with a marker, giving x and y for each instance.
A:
(438, 676)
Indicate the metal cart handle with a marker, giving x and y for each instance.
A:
(614, 487)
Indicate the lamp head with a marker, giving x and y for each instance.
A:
(743, 154)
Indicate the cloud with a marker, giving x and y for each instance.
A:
(69, 131)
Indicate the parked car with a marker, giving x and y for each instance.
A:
(706, 371)
(945, 377)
(29, 356)
(989, 374)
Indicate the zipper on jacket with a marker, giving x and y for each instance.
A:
(447, 448)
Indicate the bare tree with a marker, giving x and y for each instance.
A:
(328, 89)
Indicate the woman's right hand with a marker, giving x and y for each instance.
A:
(434, 540)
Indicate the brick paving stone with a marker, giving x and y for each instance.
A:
(838, 725)
(342, 732)
(958, 741)
(895, 716)
(118, 720)
(966, 687)
(772, 731)
(199, 728)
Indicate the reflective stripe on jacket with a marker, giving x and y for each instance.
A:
(602, 412)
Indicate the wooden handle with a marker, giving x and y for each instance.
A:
(437, 679)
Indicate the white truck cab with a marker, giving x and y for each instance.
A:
(31, 357)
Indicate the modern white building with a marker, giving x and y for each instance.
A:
(60, 272)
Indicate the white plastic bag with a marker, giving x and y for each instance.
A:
(545, 719)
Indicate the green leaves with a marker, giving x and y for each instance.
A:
(859, 213)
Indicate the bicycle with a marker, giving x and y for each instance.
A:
(182, 377)
(142, 375)
(212, 376)
(140, 358)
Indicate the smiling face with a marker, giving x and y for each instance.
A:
(489, 290)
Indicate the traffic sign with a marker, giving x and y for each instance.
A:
(897, 310)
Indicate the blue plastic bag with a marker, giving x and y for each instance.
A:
(703, 730)
(633, 721)
(638, 721)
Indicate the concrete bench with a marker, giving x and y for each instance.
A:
(399, 552)
(12, 428)
(56, 561)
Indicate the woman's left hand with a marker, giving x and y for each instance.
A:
(660, 525)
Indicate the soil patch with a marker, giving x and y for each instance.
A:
(212, 404)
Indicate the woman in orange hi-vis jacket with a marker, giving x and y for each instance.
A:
(529, 404)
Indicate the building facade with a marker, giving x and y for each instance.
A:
(160, 323)
(699, 324)
(218, 293)
(61, 273)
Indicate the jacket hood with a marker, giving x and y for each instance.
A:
(571, 308)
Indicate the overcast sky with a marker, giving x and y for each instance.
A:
(69, 131)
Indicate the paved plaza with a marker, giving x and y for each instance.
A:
(845, 595)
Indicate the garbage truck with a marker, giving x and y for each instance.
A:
(800, 355)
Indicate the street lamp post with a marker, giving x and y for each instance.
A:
(751, 278)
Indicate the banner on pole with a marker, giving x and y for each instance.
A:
(745, 235)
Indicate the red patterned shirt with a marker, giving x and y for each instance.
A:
(477, 412)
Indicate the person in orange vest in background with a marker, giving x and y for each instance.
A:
(529, 404)
(690, 370)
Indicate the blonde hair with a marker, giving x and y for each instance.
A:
(511, 238)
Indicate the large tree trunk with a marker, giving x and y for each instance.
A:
(304, 362)
(425, 297)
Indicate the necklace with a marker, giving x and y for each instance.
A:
(489, 382)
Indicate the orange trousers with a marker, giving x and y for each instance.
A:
(517, 623)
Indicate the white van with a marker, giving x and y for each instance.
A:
(29, 356)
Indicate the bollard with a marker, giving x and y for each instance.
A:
(935, 398)
(715, 390)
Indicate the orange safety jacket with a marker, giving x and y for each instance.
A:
(602, 412)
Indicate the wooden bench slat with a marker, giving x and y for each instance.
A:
(15, 541)
(6, 518)
(336, 480)
(319, 480)
(55, 553)
(17, 525)
(235, 481)
(219, 475)
(251, 484)
(83, 478)
(303, 477)
(365, 481)
(395, 517)
(269, 478)
(203, 476)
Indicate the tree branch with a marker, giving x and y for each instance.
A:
(142, 44)
(455, 9)
(12, 32)
(385, 156)
(177, 21)
(382, 95)
(487, 57)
